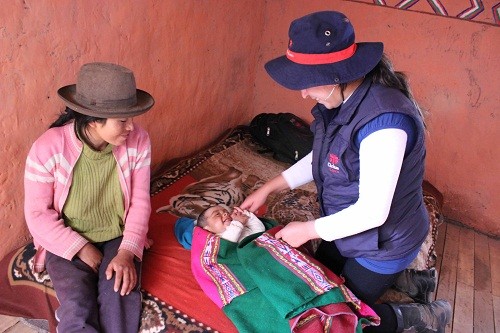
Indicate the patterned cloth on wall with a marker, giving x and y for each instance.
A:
(484, 11)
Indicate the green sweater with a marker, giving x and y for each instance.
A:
(94, 207)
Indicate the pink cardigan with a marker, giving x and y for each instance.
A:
(47, 180)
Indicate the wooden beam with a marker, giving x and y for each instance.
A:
(483, 300)
(448, 274)
(495, 279)
(441, 237)
(463, 318)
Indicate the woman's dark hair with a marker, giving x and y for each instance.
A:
(384, 74)
(81, 122)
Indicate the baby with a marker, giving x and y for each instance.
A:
(232, 226)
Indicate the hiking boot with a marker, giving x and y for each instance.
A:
(428, 318)
(419, 285)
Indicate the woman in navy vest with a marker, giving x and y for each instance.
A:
(367, 162)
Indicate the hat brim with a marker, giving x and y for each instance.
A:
(297, 77)
(144, 102)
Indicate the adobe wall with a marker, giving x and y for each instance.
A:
(197, 58)
(203, 63)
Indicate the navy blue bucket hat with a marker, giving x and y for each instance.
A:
(321, 51)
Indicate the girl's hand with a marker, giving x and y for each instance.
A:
(125, 274)
(297, 233)
(90, 255)
(148, 244)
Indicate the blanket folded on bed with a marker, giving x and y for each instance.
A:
(264, 285)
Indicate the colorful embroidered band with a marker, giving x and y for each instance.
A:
(320, 59)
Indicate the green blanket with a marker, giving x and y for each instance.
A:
(264, 285)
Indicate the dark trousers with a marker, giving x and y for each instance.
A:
(88, 302)
(367, 285)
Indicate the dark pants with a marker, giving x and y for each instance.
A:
(88, 302)
(367, 285)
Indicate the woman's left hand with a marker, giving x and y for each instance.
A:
(297, 233)
(123, 267)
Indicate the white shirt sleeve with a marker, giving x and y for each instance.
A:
(253, 226)
(300, 173)
(381, 156)
(233, 231)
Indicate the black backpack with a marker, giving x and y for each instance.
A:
(285, 134)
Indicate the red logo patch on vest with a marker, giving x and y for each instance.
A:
(333, 160)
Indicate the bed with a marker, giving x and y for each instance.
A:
(225, 172)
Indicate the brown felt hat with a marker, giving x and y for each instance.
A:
(106, 90)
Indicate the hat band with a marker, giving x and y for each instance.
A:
(320, 59)
(107, 104)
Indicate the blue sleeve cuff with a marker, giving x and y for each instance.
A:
(389, 120)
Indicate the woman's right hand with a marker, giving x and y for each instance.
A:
(259, 197)
(90, 255)
(255, 200)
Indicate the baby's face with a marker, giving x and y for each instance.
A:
(218, 219)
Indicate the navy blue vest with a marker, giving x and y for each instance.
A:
(336, 173)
